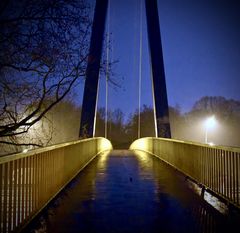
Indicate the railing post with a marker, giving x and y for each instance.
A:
(215, 168)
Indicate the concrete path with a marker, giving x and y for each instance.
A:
(124, 191)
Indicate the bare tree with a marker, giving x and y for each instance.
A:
(43, 54)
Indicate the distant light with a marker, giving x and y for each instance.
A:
(211, 144)
(210, 122)
(25, 151)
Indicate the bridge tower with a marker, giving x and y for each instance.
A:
(87, 126)
(161, 111)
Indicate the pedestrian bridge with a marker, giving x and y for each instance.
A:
(158, 185)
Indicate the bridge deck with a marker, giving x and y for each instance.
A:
(124, 191)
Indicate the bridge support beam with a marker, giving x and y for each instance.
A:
(87, 125)
(158, 74)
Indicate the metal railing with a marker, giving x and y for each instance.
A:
(217, 168)
(28, 181)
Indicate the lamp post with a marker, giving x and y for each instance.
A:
(210, 123)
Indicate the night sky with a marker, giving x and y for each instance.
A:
(201, 49)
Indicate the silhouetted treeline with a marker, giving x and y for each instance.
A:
(227, 114)
(61, 124)
(188, 126)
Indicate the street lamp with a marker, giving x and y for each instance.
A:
(210, 123)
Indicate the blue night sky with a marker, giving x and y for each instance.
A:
(201, 52)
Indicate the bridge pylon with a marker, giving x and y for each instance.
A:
(161, 111)
(88, 115)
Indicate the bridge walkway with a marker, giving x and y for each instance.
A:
(126, 191)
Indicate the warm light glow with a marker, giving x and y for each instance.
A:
(103, 160)
(145, 159)
(140, 144)
(25, 151)
(211, 144)
(105, 144)
(143, 156)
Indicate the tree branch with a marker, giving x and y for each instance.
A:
(20, 144)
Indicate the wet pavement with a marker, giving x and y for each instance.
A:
(124, 191)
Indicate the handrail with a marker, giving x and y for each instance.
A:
(215, 167)
(28, 181)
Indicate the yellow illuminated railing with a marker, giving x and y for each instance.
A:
(215, 167)
(28, 181)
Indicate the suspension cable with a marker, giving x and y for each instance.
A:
(140, 72)
(107, 71)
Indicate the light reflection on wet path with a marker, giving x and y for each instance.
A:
(124, 191)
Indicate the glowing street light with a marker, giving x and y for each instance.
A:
(210, 123)
(25, 151)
